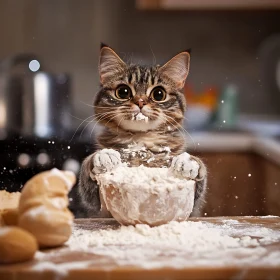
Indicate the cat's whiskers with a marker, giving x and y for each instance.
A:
(77, 118)
(80, 126)
(113, 114)
(101, 119)
(84, 120)
(102, 116)
(154, 57)
(164, 120)
(90, 105)
(181, 126)
(116, 115)
(185, 118)
(95, 118)
(93, 106)
(179, 129)
(120, 123)
(176, 128)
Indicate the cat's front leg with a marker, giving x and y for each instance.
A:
(99, 162)
(190, 167)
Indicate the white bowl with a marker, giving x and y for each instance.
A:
(142, 195)
(197, 117)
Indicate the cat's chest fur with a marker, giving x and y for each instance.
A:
(153, 149)
(136, 154)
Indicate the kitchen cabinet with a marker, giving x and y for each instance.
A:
(241, 183)
(206, 4)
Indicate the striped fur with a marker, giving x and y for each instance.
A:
(161, 135)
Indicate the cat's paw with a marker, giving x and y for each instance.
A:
(183, 166)
(106, 160)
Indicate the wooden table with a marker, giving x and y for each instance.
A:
(101, 267)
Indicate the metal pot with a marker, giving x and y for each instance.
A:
(10, 106)
(33, 104)
(46, 105)
(270, 70)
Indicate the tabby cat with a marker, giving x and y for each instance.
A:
(142, 110)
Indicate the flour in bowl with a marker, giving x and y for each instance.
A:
(145, 177)
(136, 195)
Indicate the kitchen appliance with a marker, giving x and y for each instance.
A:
(46, 105)
(24, 157)
(35, 125)
(10, 106)
(33, 103)
(270, 69)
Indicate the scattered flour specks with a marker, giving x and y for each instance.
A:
(5, 230)
(178, 245)
(60, 269)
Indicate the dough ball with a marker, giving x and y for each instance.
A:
(9, 207)
(51, 228)
(16, 245)
(9, 200)
(46, 185)
(1, 221)
(10, 217)
(43, 207)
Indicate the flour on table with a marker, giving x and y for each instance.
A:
(60, 269)
(4, 230)
(195, 244)
(200, 243)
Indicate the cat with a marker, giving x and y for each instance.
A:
(141, 110)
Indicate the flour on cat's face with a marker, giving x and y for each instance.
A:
(137, 98)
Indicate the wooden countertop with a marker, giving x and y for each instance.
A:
(67, 263)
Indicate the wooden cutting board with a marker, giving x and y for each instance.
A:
(63, 263)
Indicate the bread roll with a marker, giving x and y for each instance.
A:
(9, 200)
(16, 245)
(10, 217)
(43, 207)
(51, 228)
(8, 207)
(1, 221)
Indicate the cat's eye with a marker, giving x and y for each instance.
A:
(158, 94)
(123, 92)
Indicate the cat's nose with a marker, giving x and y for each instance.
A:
(141, 102)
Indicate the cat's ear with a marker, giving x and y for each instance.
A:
(109, 63)
(102, 45)
(177, 68)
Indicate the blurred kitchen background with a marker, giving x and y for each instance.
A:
(49, 76)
